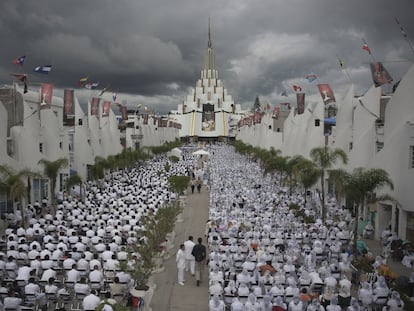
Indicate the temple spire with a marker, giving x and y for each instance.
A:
(209, 35)
(209, 57)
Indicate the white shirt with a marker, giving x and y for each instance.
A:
(12, 303)
(180, 258)
(90, 302)
(188, 248)
(73, 275)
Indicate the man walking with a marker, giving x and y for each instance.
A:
(200, 253)
(189, 258)
(180, 259)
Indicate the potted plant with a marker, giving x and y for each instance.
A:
(178, 183)
(143, 256)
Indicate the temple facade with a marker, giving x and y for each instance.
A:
(208, 111)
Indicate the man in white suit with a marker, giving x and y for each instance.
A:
(189, 258)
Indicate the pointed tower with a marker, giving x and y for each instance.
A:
(206, 112)
(209, 54)
(209, 65)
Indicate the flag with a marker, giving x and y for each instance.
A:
(92, 86)
(326, 93)
(82, 81)
(46, 93)
(114, 95)
(380, 75)
(300, 97)
(68, 104)
(19, 61)
(124, 113)
(43, 69)
(276, 112)
(297, 88)
(22, 77)
(106, 108)
(366, 47)
(311, 77)
(268, 106)
(95, 107)
(284, 93)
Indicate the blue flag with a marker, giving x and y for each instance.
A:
(311, 77)
(43, 69)
(19, 61)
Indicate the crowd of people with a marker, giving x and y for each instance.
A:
(263, 257)
(260, 255)
(72, 259)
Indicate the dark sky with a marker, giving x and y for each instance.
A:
(151, 52)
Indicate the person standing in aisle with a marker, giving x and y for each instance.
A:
(200, 253)
(189, 258)
(180, 259)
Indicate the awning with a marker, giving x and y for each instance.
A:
(330, 121)
(201, 152)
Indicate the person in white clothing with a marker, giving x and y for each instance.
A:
(236, 305)
(189, 258)
(180, 259)
(295, 304)
(216, 304)
(91, 301)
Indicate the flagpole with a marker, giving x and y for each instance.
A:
(404, 35)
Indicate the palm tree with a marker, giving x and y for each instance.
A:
(324, 158)
(51, 170)
(289, 169)
(307, 174)
(360, 187)
(11, 182)
(72, 181)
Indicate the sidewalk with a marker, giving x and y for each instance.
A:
(169, 295)
(375, 247)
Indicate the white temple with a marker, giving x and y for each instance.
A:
(208, 112)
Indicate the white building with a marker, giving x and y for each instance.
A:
(208, 111)
(145, 130)
(31, 131)
(377, 131)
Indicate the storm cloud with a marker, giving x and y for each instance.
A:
(151, 52)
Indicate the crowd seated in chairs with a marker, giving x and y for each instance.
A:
(269, 258)
(71, 260)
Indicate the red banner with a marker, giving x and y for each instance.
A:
(46, 93)
(300, 97)
(68, 103)
(257, 118)
(276, 112)
(68, 108)
(105, 108)
(95, 107)
(326, 93)
(124, 112)
(380, 75)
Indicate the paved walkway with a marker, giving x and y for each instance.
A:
(375, 247)
(169, 295)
